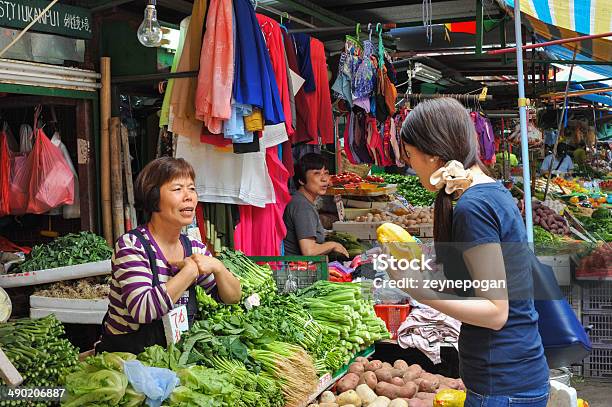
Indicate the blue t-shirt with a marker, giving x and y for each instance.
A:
(511, 360)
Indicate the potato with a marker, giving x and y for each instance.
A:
(349, 397)
(425, 396)
(401, 365)
(432, 378)
(398, 403)
(418, 403)
(366, 394)
(356, 368)
(362, 360)
(427, 385)
(348, 382)
(370, 379)
(328, 405)
(392, 391)
(410, 389)
(328, 397)
(381, 401)
(384, 375)
(416, 368)
(410, 376)
(398, 381)
(373, 366)
(387, 365)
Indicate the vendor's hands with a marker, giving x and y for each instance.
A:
(188, 265)
(338, 248)
(207, 264)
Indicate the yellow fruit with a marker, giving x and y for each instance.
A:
(449, 398)
(574, 199)
(583, 403)
(400, 243)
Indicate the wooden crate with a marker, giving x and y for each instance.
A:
(361, 230)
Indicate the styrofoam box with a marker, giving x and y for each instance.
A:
(69, 316)
(37, 301)
(561, 266)
(98, 268)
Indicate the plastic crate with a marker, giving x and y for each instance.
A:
(573, 295)
(597, 296)
(303, 270)
(394, 316)
(598, 365)
(601, 331)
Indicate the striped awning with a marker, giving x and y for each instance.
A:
(585, 17)
(556, 19)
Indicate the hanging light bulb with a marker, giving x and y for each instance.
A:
(150, 32)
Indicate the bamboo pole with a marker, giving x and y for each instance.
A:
(116, 177)
(105, 109)
(129, 182)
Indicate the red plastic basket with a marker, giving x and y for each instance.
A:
(393, 315)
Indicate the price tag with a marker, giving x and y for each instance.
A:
(324, 381)
(252, 301)
(339, 207)
(175, 323)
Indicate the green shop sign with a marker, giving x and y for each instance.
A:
(69, 21)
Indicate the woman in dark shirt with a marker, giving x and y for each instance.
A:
(481, 240)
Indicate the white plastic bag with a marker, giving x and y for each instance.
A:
(26, 136)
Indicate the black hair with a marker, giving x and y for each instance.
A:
(443, 128)
(308, 162)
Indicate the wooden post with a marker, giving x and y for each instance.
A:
(116, 177)
(129, 182)
(86, 165)
(105, 176)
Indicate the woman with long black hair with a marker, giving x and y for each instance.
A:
(479, 236)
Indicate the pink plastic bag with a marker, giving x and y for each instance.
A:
(51, 181)
(5, 175)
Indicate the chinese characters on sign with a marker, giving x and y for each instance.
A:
(64, 20)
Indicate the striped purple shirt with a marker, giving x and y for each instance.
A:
(133, 299)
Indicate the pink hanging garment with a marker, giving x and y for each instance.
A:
(261, 230)
(214, 91)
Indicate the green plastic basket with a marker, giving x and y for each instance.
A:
(303, 270)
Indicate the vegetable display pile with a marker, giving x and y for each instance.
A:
(377, 384)
(38, 351)
(549, 219)
(599, 259)
(599, 225)
(270, 355)
(420, 215)
(350, 242)
(92, 288)
(348, 320)
(100, 381)
(68, 250)
(410, 188)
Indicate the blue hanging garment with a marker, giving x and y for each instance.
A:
(302, 45)
(254, 80)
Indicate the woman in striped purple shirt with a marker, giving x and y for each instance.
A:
(155, 268)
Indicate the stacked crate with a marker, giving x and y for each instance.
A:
(597, 312)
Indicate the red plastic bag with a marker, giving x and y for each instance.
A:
(5, 175)
(19, 184)
(52, 180)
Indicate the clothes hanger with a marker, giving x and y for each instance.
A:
(282, 25)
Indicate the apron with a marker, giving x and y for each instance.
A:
(152, 333)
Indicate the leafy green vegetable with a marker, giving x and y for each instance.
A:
(68, 250)
(253, 278)
(410, 188)
(100, 381)
(37, 349)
